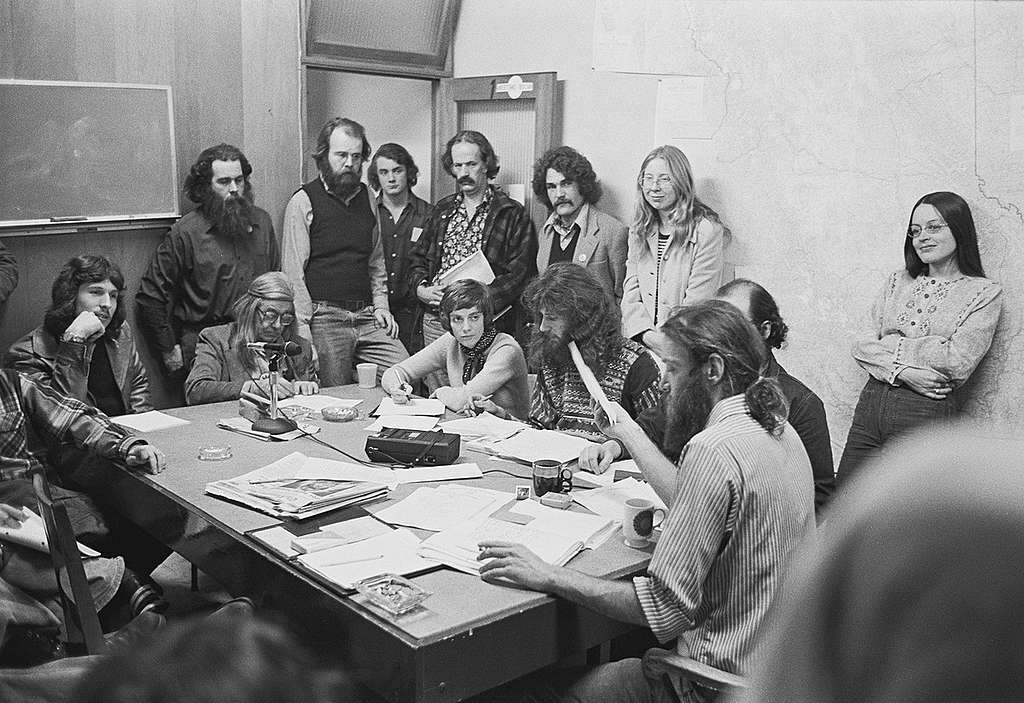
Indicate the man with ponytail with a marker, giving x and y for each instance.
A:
(740, 500)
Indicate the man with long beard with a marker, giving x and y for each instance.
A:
(740, 501)
(208, 259)
(333, 255)
(570, 304)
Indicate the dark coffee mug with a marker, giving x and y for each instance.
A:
(550, 476)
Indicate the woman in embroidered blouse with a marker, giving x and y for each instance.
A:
(931, 327)
(676, 245)
(480, 361)
(225, 367)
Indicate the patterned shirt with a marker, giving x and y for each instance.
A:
(465, 234)
(36, 419)
(743, 501)
(561, 402)
(924, 322)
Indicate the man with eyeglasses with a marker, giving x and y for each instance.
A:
(209, 257)
(332, 253)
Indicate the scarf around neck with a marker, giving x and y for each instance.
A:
(476, 355)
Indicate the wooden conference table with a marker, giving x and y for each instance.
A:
(469, 637)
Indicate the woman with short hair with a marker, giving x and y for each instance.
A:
(225, 366)
(479, 360)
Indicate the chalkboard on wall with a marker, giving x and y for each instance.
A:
(82, 153)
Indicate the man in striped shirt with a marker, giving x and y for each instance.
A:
(740, 500)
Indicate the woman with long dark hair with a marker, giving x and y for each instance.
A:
(930, 328)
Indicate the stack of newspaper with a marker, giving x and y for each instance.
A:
(291, 488)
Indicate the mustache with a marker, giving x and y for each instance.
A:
(466, 181)
(561, 201)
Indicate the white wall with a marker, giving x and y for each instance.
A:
(830, 120)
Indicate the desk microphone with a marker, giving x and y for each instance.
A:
(288, 348)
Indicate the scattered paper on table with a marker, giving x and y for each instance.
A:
(394, 552)
(403, 422)
(415, 406)
(610, 501)
(441, 507)
(149, 421)
(484, 426)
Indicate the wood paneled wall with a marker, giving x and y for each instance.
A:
(234, 69)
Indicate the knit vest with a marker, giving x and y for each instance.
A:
(557, 253)
(570, 399)
(339, 246)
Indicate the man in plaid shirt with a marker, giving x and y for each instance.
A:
(478, 217)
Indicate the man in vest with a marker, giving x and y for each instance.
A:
(331, 250)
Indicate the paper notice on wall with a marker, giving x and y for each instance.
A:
(689, 107)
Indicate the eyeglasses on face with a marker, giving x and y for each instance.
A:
(272, 316)
(663, 181)
(914, 231)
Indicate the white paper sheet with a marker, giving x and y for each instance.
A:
(403, 422)
(483, 426)
(149, 421)
(529, 445)
(394, 552)
(442, 507)
(415, 406)
(610, 501)
(590, 381)
(340, 533)
(475, 266)
(32, 534)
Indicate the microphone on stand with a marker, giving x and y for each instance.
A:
(286, 348)
(275, 424)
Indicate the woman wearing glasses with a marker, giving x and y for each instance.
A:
(676, 245)
(930, 327)
(225, 366)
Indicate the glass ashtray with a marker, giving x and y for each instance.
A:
(296, 412)
(395, 594)
(214, 453)
(335, 413)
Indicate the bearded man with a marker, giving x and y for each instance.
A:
(208, 258)
(740, 501)
(332, 253)
(571, 305)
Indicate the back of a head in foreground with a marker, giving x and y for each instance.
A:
(917, 591)
(237, 660)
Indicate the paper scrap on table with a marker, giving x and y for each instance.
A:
(610, 501)
(317, 402)
(415, 406)
(437, 508)
(590, 381)
(339, 533)
(393, 552)
(403, 422)
(149, 421)
(585, 479)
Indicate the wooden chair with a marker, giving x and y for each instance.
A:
(81, 623)
(663, 662)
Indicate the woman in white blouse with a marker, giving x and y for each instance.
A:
(930, 328)
(676, 245)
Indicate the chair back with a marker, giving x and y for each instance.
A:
(81, 623)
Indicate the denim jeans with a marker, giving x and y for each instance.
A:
(884, 412)
(343, 338)
(432, 331)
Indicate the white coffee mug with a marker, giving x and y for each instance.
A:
(638, 521)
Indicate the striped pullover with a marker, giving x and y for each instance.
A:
(743, 501)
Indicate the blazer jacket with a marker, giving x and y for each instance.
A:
(601, 247)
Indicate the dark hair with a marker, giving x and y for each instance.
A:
(573, 293)
(573, 166)
(323, 139)
(227, 660)
(716, 327)
(87, 268)
(400, 155)
(956, 213)
(466, 294)
(470, 136)
(200, 176)
(763, 308)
